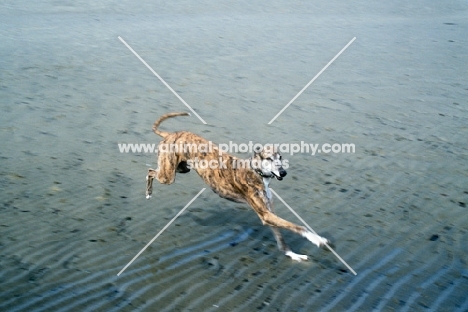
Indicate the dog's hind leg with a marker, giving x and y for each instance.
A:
(165, 174)
(167, 167)
(149, 182)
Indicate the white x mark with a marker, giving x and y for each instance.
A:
(162, 80)
(313, 79)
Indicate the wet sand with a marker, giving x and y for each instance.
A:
(73, 210)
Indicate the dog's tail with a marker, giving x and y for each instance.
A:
(161, 119)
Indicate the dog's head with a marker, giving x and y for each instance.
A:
(267, 161)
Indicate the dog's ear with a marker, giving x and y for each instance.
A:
(257, 150)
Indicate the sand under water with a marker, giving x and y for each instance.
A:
(73, 210)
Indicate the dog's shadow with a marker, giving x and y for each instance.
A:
(236, 217)
(224, 215)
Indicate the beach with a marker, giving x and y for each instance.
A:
(73, 210)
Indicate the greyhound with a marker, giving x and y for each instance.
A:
(247, 183)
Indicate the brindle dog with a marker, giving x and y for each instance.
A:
(230, 179)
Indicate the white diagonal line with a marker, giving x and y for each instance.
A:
(310, 229)
(160, 232)
(162, 80)
(313, 79)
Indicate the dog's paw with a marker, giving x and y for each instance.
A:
(315, 239)
(296, 257)
(323, 241)
(148, 196)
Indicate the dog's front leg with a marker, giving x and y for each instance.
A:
(271, 219)
(282, 246)
(285, 248)
(295, 256)
(315, 239)
(275, 222)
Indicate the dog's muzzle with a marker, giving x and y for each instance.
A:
(282, 174)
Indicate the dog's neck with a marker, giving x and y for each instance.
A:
(266, 183)
(266, 180)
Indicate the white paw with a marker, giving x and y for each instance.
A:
(295, 256)
(148, 196)
(315, 239)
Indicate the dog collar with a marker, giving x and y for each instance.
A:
(260, 173)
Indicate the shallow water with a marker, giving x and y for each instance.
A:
(73, 211)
